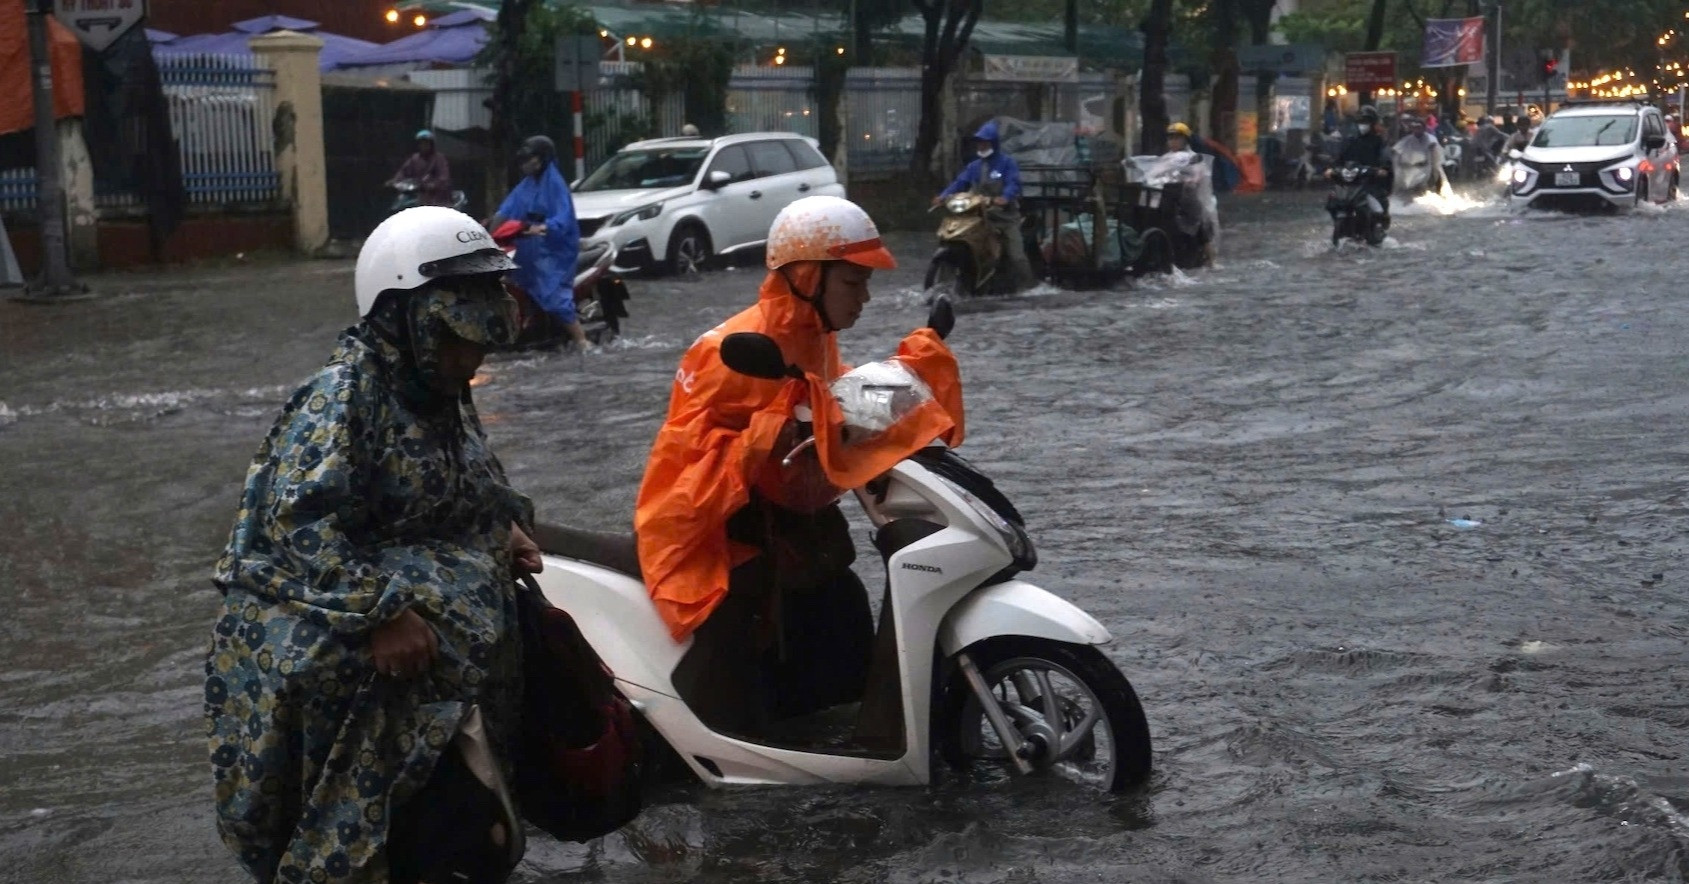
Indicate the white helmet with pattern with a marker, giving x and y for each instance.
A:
(419, 245)
(826, 228)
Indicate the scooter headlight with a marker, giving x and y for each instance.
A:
(958, 205)
(1014, 536)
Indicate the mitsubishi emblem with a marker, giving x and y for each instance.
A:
(1568, 168)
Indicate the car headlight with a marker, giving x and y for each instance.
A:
(1520, 175)
(1625, 173)
(643, 213)
(1014, 537)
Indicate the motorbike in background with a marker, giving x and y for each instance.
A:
(600, 297)
(969, 253)
(409, 195)
(1356, 213)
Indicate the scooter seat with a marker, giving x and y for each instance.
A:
(607, 549)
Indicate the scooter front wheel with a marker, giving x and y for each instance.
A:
(1076, 715)
(946, 278)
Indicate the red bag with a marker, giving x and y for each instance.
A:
(580, 761)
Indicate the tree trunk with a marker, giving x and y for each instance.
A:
(949, 24)
(511, 24)
(1152, 90)
(1374, 36)
(1259, 15)
(1222, 114)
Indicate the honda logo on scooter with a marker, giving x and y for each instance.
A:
(930, 569)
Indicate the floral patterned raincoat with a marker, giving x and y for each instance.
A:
(369, 496)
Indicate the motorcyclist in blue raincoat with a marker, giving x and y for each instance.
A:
(546, 251)
(997, 175)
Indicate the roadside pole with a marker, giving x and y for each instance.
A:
(55, 279)
(1495, 62)
(580, 135)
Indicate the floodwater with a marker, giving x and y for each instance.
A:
(1391, 543)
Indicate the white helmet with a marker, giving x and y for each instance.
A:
(826, 228)
(419, 245)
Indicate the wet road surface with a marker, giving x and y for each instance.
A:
(1391, 543)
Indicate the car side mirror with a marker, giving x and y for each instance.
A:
(756, 355)
(717, 179)
(1654, 142)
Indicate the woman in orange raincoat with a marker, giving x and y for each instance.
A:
(751, 559)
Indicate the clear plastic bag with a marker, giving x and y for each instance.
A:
(874, 397)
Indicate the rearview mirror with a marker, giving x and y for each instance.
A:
(717, 179)
(1654, 142)
(756, 355)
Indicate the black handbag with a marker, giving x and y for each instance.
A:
(580, 761)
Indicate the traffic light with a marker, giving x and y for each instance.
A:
(1550, 69)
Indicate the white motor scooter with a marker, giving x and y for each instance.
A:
(990, 669)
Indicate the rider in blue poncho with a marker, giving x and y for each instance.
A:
(997, 175)
(546, 251)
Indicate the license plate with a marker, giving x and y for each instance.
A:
(1566, 179)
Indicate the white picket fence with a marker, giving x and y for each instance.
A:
(221, 108)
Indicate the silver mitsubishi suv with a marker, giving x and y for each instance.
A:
(1597, 154)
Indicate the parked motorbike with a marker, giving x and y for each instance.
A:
(1356, 214)
(410, 195)
(600, 297)
(969, 252)
(989, 669)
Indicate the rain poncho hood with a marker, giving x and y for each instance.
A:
(545, 265)
(723, 427)
(999, 168)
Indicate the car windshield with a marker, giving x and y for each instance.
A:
(639, 169)
(1605, 131)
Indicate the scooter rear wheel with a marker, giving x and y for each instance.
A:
(1077, 713)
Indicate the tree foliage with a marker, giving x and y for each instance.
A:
(699, 70)
(520, 55)
(1609, 35)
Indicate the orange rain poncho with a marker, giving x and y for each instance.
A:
(722, 430)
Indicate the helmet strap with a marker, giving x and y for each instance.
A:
(813, 298)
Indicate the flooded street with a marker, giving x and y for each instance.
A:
(1391, 542)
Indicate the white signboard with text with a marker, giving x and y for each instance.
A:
(1032, 68)
(98, 23)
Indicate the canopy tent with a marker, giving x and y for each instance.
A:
(336, 48)
(452, 39)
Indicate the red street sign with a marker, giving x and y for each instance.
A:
(1369, 71)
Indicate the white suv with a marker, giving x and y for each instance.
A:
(1597, 154)
(676, 202)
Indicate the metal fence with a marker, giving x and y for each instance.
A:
(781, 99)
(221, 107)
(617, 112)
(17, 189)
(882, 116)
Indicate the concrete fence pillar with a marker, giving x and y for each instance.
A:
(82, 216)
(298, 131)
